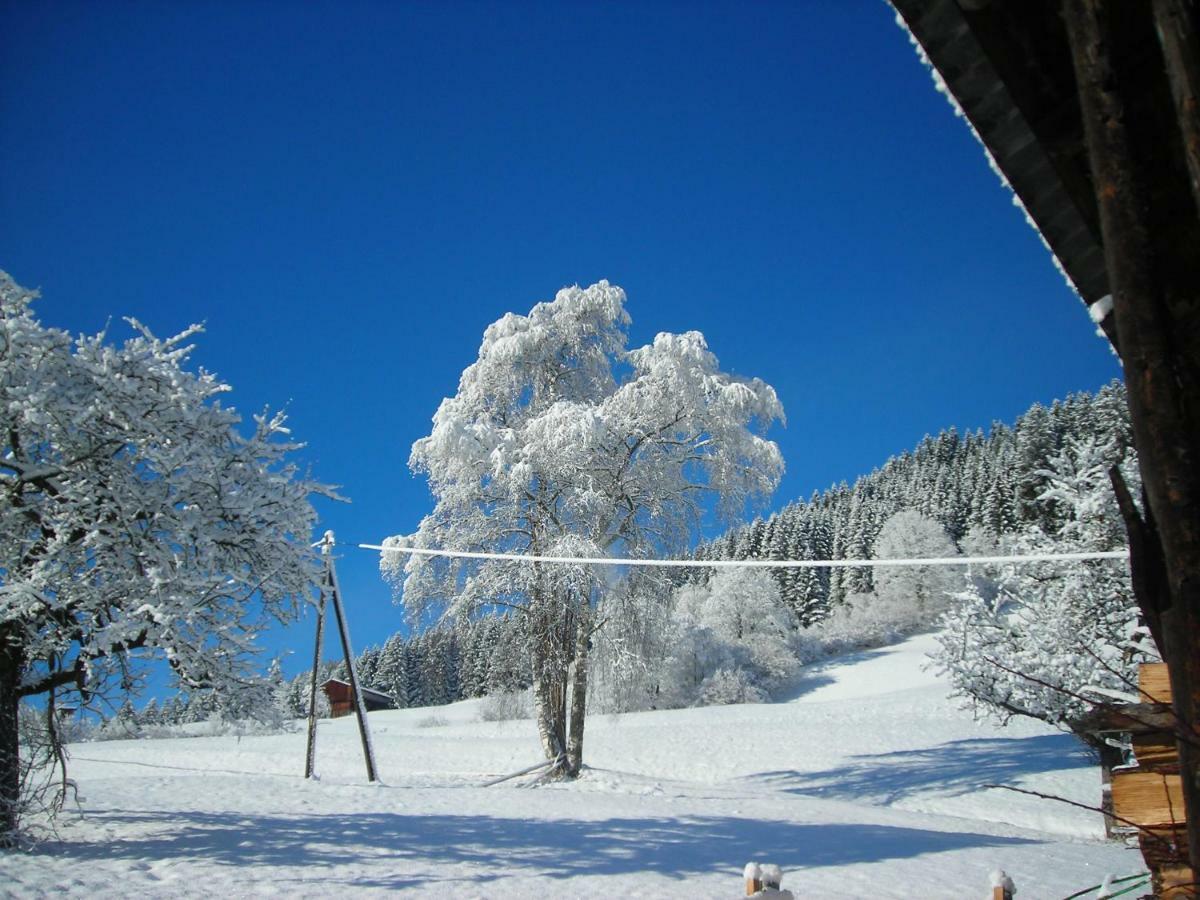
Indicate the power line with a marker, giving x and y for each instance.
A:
(757, 563)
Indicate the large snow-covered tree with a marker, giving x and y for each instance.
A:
(561, 441)
(135, 515)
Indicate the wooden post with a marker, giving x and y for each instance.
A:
(1155, 282)
(310, 758)
(753, 879)
(335, 597)
(1174, 21)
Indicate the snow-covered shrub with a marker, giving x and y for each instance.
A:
(214, 726)
(735, 624)
(906, 599)
(632, 647)
(43, 784)
(726, 686)
(434, 721)
(862, 622)
(504, 706)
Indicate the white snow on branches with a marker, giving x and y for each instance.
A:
(135, 514)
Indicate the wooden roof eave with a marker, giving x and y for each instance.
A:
(1019, 99)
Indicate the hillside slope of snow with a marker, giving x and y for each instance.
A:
(868, 783)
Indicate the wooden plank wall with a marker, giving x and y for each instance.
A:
(1150, 795)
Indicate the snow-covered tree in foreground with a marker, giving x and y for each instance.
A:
(134, 516)
(560, 441)
(1051, 632)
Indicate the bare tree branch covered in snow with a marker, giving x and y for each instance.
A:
(1042, 637)
(135, 516)
(560, 441)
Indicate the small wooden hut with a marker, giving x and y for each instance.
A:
(341, 699)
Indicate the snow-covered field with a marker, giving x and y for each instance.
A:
(868, 783)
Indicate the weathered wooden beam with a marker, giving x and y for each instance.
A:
(1154, 683)
(310, 755)
(356, 698)
(1148, 799)
(1174, 883)
(1156, 751)
(1133, 718)
(1175, 21)
(1163, 847)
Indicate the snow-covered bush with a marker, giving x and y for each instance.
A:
(910, 535)
(215, 726)
(726, 686)
(505, 706)
(632, 644)
(862, 622)
(732, 637)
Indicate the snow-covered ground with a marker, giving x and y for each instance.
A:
(868, 783)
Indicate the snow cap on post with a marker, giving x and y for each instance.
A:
(1002, 885)
(753, 876)
(772, 875)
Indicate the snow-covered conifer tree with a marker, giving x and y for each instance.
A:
(150, 714)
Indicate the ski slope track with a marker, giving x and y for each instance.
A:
(866, 781)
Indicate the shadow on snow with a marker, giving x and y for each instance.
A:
(497, 848)
(957, 767)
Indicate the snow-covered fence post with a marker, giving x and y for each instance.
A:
(771, 875)
(764, 880)
(1002, 886)
(753, 876)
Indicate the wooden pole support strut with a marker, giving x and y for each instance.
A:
(310, 757)
(331, 593)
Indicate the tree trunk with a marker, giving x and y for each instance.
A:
(550, 710)
(549, 684)
(583, 640)
(1149, 236)
(10, 762)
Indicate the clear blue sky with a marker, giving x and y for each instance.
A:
(348, 193)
